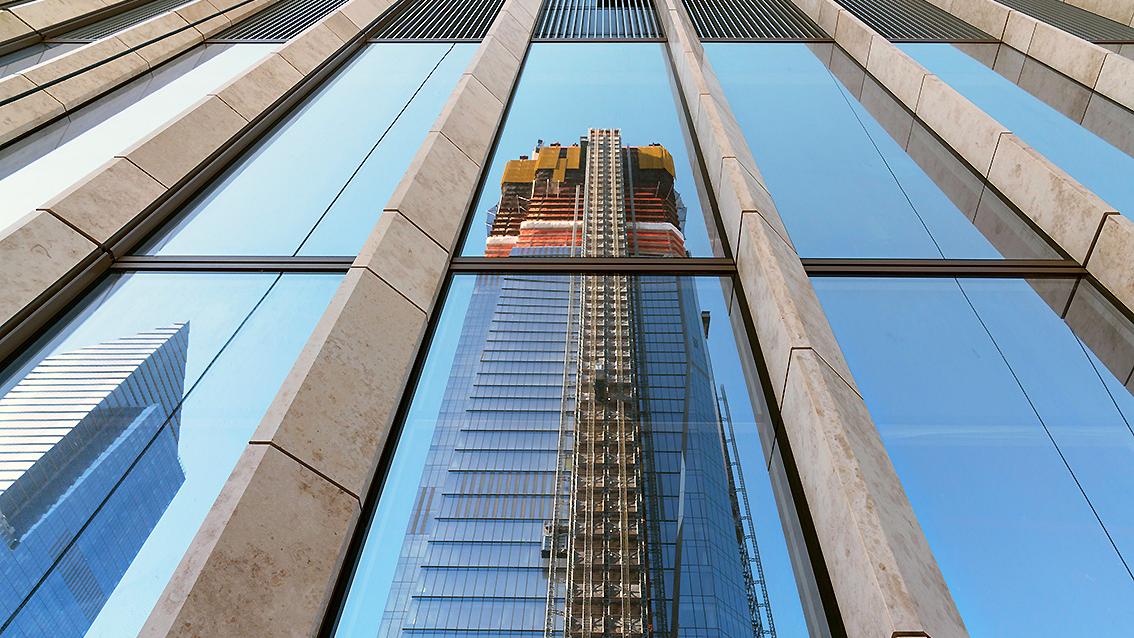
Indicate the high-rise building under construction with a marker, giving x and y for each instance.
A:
(579, 480)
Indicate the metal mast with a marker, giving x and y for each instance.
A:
(759, 605)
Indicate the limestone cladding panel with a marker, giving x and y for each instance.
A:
(329, 424)
(13, 29)
(273, 520)
(108, 201)
(882, 569)
(45, 14)
(102, 66)
(38, 252)
(1109, 261)
(887, 579)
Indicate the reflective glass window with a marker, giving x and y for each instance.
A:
(317, 184)
(118, 429)
(32, 55)
(852, 173)
(1096, 163)
(37, 168)
(1004, 405)
(533, 192)
(551, 408)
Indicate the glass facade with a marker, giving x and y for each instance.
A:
(581, 470)
(1093, 161)
(590, 445)
(37, 168)
(282, 199)
(1011, 436)
(566, 89)
(852, 174)
(118, 429)
(530, 441)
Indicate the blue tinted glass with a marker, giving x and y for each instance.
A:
(566, 90)
(328, 170)
(49, 161)
(1011, 436)
(1090, 159)
(118, 429)
(471, 499)
(850, 171)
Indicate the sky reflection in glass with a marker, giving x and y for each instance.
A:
(1090, 159)
(243, 334)
(567, 89)
(1009, 435)
(843, 186)
(317, 184)
(30, 185)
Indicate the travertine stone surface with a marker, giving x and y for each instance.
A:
(94, 81)
(405, 258)
(188, 140)
(337, 405)
(37, 251)
(436, 189)
(990, 17)
(172, 32)
(721, 137)
(854, 36)
(1075, 58)
(274, 519)
(1117, 10)
(1116, 79)
(205, 17)
(469, 117)
(45, 14)
(252, 93)
(509, 30)
(311, 48)
(782, 302)
(1063, 208)
(26, 113)
(1110, 259)
(896, 71)
(1019, 30)
(13, 28)
(107, 201)
(881, 565)
(743, 193)
(363, 12)
(494, 66)
(969, 130)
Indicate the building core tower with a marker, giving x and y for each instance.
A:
(577, 483)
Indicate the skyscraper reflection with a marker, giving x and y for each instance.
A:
(88, 465)
(576, 478)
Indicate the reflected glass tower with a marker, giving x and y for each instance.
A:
(579, 481)
(88, 464)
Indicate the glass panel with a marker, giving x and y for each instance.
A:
(118, 429)
(32, 55)
(39, 167)
(1010, 429)
(537, 192)
(317, 184)
(1099, 115)
(1092, 160)
(852, 173)
(554, 409)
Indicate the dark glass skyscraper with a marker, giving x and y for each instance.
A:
(87, 467)
(578, 480)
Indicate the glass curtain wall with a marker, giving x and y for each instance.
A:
(581, 453)
(1102, 162)
(853, 174)
(1005, 406)
(284, 199)
(120, 425)
(36, 168)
